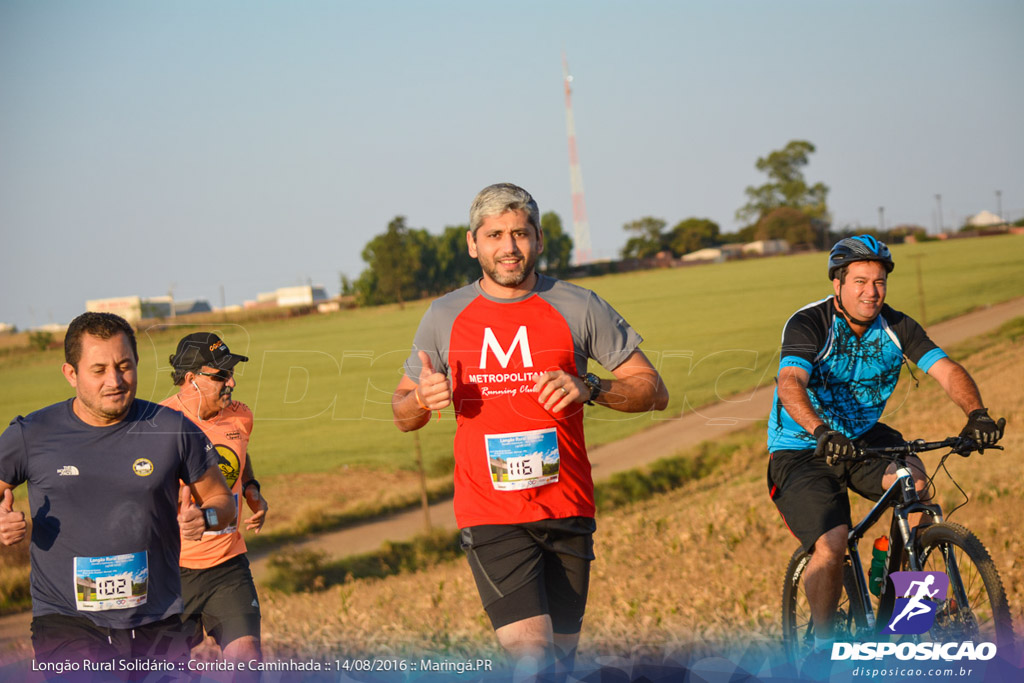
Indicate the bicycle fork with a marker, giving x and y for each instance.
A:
(901, 554)
(904, 557)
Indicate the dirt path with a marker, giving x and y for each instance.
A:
(663, 440)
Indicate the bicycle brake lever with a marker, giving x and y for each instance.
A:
(966, 447)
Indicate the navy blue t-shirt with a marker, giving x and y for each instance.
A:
(104, 505)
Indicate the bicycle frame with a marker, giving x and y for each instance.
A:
(911, 549)
(900, 528)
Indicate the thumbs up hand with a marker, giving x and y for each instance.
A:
(434, 391)
(12, 524)
(190, 517)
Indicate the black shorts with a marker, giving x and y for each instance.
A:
(60, 637)
(527, 570)
(812, 496)
(222, 600)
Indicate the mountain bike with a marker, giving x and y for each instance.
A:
(975, 608)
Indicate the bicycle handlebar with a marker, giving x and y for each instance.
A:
(959, 444)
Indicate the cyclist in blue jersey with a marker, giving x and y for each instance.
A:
(840, 362)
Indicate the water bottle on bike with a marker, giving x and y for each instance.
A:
(879, 556)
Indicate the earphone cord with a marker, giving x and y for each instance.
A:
(199, 410)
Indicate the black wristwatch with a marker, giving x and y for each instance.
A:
(593, 383)
(251, 482)
(210, 518)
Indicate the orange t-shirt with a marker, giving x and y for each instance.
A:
(229, 432)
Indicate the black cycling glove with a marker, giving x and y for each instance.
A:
(832, 445)
(982, 428)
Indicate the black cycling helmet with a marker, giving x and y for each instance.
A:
(859, 248)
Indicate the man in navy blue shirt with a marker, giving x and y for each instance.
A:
(103, 473)
(840, 363)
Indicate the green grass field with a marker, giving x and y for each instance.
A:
(320, 386)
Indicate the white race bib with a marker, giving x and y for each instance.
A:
(523, 460)
(113, 582)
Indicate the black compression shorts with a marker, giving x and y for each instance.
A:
(527, 570)
(222, 600)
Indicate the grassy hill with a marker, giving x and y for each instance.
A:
(696, 569)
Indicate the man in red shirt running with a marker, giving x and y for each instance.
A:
(510, 353)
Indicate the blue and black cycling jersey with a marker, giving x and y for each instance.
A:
(851, 377)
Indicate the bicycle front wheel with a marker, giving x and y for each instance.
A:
(975, 608)
(798, 628)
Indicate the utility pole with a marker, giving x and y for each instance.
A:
(999, 206)
(920, 287)
(580, 225)
(881, 219)
(424, 498)
(938, 200)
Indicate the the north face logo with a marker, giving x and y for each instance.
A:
(68, 471)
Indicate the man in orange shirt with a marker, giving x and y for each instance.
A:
(216, 583)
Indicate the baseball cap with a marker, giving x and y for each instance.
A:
(204, 348)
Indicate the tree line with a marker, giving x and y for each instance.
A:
(406, 263)
(785, 207)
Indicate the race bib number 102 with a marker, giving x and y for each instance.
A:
(113, 582)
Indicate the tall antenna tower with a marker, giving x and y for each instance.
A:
(580, 225)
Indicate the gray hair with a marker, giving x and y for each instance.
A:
(494, 200)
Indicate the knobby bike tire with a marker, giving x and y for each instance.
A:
(797, 624)
(985, 614)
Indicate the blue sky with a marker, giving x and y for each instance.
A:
(254, 145)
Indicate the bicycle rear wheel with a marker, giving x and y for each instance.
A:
(975, 608)
(798, 628)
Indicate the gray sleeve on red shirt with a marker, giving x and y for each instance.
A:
(435, 331)
(612, 339)
(598, 330)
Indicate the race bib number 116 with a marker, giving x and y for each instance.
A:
(523, 460)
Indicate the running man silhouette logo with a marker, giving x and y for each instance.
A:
(917, 597)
